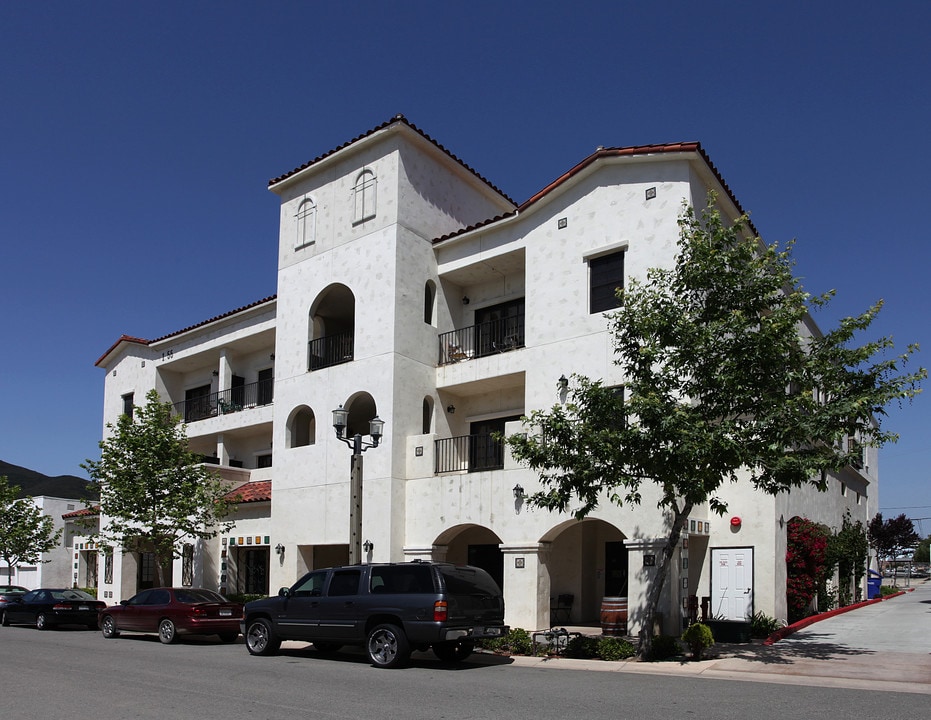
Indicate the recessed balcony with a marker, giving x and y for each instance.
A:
(486, 338)
(227, 401)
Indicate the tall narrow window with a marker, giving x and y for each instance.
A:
(606, 276)
(363, 197)
(128, 405)
(429, 298)
(306, 224)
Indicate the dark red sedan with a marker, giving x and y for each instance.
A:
(171, 612)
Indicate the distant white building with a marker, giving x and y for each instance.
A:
(54, 568)
(411, 288)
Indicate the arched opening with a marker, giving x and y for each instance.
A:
(331, 328)
(587, 562)
(302, 428)
(474, 545)
(361, 409)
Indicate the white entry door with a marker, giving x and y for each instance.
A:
(731, 583)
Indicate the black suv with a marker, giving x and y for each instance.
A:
(389, 609)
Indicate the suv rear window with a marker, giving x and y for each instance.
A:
(402, 579)
(468, 580)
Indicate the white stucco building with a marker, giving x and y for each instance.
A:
(412, 288)
(54, 566)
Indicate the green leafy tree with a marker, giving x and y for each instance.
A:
(892, 538)
(155, 495)
(848, 551)
(721, 383)
(25, 533)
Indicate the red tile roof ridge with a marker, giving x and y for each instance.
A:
(253, 491)
(399, 118)
(83, 512)
(141, 341)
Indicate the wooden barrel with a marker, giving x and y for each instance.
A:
(614, 616)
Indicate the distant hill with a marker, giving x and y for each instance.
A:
(32, 483)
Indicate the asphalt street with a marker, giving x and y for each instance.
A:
(832, 668)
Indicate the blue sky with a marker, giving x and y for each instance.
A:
(138, 139)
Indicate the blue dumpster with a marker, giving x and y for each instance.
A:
(873, 583)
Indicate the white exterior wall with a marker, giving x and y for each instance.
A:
(385, 262)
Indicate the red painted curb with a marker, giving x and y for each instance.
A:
(811, 619)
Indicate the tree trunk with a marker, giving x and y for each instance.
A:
(680, 517)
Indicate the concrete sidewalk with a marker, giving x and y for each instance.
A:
(882, 646)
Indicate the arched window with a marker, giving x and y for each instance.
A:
(363, 197)
(429, 298)
(306, 224)
(427, 415)
(302, 428)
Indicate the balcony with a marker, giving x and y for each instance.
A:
(468, 453)
(232, 400)
(330, 350)
(487, 338)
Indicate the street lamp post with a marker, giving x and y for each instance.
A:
(359, 446)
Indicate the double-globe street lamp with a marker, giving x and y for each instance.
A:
(359, 446)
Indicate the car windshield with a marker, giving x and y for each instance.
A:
(189, 596)
(12, 589)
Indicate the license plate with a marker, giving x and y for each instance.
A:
(83, 607)
(493, 631)
(226, 612)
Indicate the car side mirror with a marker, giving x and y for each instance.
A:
(284, 592)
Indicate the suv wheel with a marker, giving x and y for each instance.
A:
(261, 639)
(387, 646)
(454, 651)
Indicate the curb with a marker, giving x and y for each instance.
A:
(811, 619)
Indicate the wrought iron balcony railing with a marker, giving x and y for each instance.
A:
(480, 340)
(330, 350)
(227, 401)
(468, 453)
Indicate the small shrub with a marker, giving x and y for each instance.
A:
(762, 625)
(516, 642)
(583, 647)
(888, 590)
(664, 647)
(615, 648)
(698, 637)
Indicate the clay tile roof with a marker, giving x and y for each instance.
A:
(397, 119)
(128, 338)
(258, 491)
(83, 512)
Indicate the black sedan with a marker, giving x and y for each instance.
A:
(48, 607)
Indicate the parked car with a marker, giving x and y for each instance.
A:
(49, 607)
(8, 592)
(171, 612)
(389, 609)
